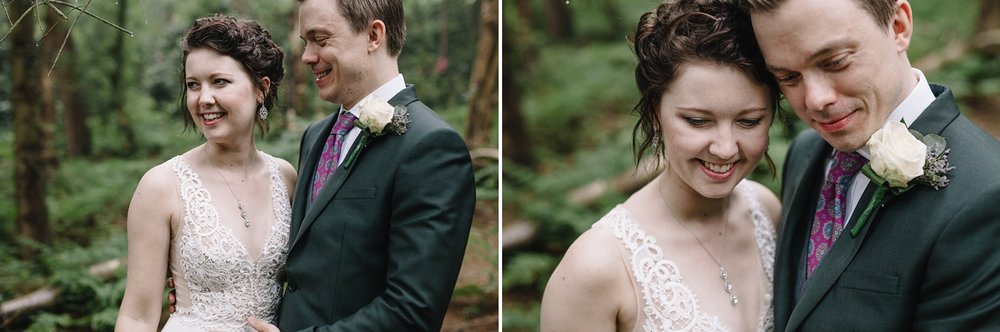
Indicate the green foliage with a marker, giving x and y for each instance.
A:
(521, 318)
(528, 270)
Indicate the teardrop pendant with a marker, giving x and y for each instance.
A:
(243, 213)
(728, 286)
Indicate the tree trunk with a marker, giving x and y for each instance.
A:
(78, 142)
(616, 20)
(982, 109)
(558, 22)
(484, 79)
(29, 141)
(117, 83)
(50, 50)
(989, 16)
(516, 142)
(298, 75)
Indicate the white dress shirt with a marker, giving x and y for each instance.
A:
(385, 92)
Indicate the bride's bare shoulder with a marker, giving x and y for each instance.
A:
(589, 287)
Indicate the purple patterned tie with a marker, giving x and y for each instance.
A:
(829, 221)
(331, 152)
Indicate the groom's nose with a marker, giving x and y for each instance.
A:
(309, 55)
(819, 92)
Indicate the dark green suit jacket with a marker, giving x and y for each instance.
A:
(381, 246)
(927, 261)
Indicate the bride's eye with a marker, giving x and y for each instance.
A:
(748, 123)
(696, 122)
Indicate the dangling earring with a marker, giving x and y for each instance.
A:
(262, 112)
(656, 144)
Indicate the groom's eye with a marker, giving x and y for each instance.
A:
(788, 79)
(837, 63)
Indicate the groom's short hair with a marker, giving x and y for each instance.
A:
(879, 10)
(361, 13)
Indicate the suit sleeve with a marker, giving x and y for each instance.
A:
(962, 290)
(432, 204)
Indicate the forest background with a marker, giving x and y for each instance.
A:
(568, 94)
(83, 117)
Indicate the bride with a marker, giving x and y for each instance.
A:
(693, 250)
(216, 216)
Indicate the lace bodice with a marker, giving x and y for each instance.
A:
(667, 302)
(225, 284)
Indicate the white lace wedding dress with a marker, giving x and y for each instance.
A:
(220, 283)
(667, 302)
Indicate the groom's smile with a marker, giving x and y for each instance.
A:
(321, 77)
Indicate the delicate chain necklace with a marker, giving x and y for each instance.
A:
(726, 285)
(239, 203)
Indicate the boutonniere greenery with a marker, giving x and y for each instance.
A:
(900, 160)
(376, 118)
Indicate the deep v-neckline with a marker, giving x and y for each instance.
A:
(648, 242)
(229, 233)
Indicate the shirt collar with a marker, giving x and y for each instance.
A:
(385, 92)
(911, 108)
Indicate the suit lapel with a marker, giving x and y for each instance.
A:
(834, 264)
(340, 175)
(933, 120)
(311, 148)
(795, 226)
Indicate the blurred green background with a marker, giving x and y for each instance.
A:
(568, 93)
(110, 109)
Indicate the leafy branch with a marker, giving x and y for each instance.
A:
(52, 4)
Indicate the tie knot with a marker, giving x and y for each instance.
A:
(344, 124)
(848, 163)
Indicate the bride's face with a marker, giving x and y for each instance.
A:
(220, 96)
(714, 121)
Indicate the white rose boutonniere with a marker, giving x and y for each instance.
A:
(374, 114)
(901, 159)
(897, 156)
(376, 117)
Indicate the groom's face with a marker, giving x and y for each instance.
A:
(338, 57)
(840, 70)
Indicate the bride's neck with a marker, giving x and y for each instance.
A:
(229, 155)
(686, 203)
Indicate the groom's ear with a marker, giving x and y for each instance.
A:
(376, 36)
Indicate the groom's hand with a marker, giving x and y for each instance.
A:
(261, 326)
(171, 296)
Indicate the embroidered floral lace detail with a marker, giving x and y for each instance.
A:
(668, 303)
(226, 285)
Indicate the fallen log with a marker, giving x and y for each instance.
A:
(625, 183)
(46, 296)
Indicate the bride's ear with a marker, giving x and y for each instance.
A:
(265, 83)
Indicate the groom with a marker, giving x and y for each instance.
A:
(377, 235)
(927, 259)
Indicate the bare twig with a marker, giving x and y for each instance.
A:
(105, 21)
(7, 13)
(13, 25)
(57, 10)
(52, 4)
(66, 38)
